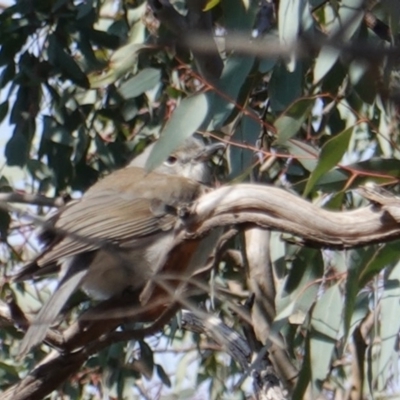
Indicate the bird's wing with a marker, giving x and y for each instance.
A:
(113, 217)
(105, 220)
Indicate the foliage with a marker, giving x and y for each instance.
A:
(307, 100)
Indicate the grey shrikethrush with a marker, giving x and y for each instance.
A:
(116, 236)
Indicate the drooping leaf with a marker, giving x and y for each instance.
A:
(211, 4)
(233, 76)
(356, 260)
(304, 374)
(3, 110)
(56, 132)
(325, 61)
(325, 321)
(346, 23)
(385, 256)
(145, 80)
(123, 60)
(301, 286)
(331, 153)
(327, 313)
(289, 24)
(65, 62)
(7, 74)
(291, 120)
(242, 159)
(186, 119)
(389, 321)
(163, 375)
(146, 356)
(285, 87)
(16, 150)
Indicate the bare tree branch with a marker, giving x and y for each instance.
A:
(277, 209)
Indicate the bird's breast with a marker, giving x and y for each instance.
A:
(113, 271)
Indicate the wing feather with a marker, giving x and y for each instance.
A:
(131, 210)
(115, 220)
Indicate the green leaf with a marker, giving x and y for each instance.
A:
(289, 23)
(145, 80)
(238, 17)
(300, 287)
(304, 374)
(345, 25)
(327, 314)
(129, 110)
(67, 65)
(123, 60)
(389, 318)
(248, 131)
(7, 74)
(385, 256)
(186, 119)
(389, 166)
(56, 132)
(325, 61)
(211, 4)
(356, 259)
(331, 153)
(163, 375)
(321, 350)
(361, 309)
(325, 321)
(285, 87)
(103, 39)
(38, 170)
(5, 221)
(290, 121)
(146, 356)
(233, 76)
(16, 150)
(3, 110)
(304, 153)
(84, 9)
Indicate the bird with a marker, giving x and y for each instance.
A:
(115, 236)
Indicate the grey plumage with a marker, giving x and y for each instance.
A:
(118, 232)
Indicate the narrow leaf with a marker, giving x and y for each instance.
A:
(325, 321)
(211, 4)
(233, 76)
(331, 153)
(390, 321)
(145, 80)
(327, 313)
(62, 60)
(290, 122)
(187, 118)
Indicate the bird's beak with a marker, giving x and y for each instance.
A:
(206, 153)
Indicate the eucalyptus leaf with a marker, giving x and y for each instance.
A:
(145, 80)
(331, 153)
(285, 87)
(291, 120)
(389, 321)
(233, 76)
(325, 321)
(61, 59)
(186, 119)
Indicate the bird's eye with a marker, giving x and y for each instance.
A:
(171, 160)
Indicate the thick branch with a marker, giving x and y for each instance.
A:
(277, 209)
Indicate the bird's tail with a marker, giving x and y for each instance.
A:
(50, 310)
